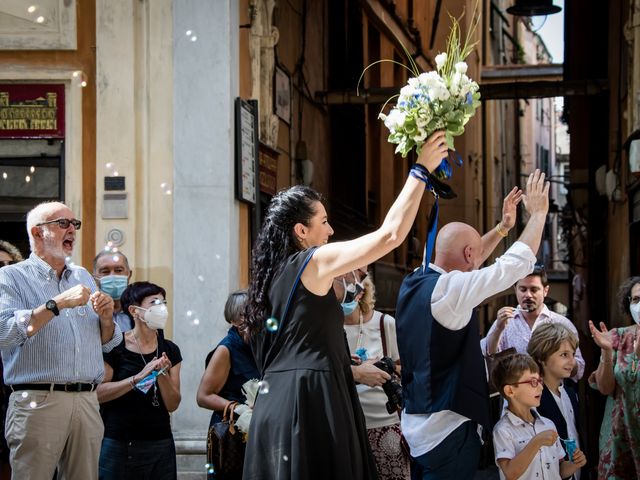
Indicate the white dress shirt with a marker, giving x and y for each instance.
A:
(454, 297)
(512, 434)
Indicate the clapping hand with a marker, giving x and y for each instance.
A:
(102, 305)
(602, 337)
(74, 297)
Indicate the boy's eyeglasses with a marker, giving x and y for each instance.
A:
(64, 223)
(534, 382)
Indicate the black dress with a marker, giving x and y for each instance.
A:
(310, 424)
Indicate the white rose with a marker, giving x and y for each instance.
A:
(441, 58)
(407, 91)
(461, 67)
(395, 120)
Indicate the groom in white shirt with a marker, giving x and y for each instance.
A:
(446, 399)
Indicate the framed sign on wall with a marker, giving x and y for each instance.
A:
(247, 159)
(282, 94)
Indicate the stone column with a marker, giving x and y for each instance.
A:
(205, 214)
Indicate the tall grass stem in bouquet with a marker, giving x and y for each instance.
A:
(444, 99)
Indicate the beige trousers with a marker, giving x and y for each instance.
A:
(49, 429)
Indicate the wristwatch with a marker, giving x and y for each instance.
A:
(52, 306)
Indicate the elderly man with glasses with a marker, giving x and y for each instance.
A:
(514, 325)
(54, 327)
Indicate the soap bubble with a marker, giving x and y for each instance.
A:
(285, 458)
(33, 404)
(272, 324)
(263, 387)
(25, 394)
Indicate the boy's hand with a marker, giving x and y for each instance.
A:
(546, 438)
(579, 458)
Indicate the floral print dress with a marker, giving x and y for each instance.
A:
(620, 432)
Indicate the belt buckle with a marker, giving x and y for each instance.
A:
(76, 387)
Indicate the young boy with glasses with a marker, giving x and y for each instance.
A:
(526, 444)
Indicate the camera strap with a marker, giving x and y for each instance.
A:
(383, 337)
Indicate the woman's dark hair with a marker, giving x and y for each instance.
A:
(276, 242)
(234, 308)
(624, 292)
(136, 292)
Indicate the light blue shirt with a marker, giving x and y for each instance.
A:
(68, 348)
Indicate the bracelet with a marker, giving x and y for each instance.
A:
(503, 232)
(132, 382)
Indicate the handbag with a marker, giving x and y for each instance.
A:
(226, 445)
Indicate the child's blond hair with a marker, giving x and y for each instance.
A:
(546, 340)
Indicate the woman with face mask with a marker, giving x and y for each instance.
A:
(618, 377)
(141, 386)
(372, 335)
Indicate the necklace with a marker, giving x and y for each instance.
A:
(154, 400)
(361, 332)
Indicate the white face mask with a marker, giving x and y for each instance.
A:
(155, 317)
(635, 312)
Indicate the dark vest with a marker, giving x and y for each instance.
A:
(442, 369)
(549, 408)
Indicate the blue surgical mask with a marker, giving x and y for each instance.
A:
(348, 308)
(114, 285)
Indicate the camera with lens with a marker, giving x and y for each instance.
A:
(391, 387)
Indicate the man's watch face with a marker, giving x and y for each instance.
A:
(52, 306)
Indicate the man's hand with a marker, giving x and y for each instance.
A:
(369, 374)
(74, 297)
(505, 314)
(433, 151)
(536, 200)
(103, 305)
(509, 207)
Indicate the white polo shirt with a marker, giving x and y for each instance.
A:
(512, 434)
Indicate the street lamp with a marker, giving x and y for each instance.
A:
(532, 8)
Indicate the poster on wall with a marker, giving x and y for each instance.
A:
(247, 166)
(31, 110)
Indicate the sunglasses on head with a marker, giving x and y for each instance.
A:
(63, 223)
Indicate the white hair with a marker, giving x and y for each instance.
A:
(40, 213)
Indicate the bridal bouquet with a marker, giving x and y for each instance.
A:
(444, 99)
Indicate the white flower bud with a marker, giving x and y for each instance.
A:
(461, 67)
(441, 58)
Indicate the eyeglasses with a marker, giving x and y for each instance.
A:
(4, 263)
(534, 382)
(634, 300)
(64, 223)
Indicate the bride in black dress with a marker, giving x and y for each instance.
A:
(307, 422)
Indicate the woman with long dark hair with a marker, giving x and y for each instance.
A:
(307, 421)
